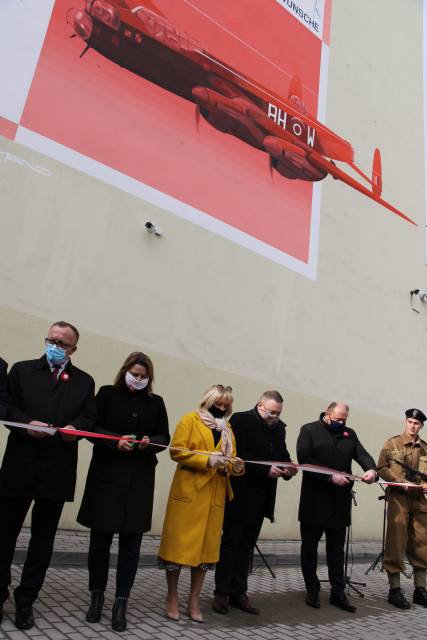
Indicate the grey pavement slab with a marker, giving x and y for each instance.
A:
(60, 610)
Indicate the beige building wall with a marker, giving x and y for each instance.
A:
(210, 311)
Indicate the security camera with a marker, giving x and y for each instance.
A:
(152, 228)
(420, 293)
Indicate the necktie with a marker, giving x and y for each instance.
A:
(55, 373)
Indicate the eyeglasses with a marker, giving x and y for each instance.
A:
(270, 414)
(58, 343)
(223, 389)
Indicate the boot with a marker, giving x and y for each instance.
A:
(24, 618)
(420, 596)
(95, 607)
(118, 621)
(396, 597)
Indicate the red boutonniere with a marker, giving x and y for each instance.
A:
(345, 434)
(65, 377)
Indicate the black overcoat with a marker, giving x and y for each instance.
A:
(322, 503)
(255, 492)
(3, 388)
(45, 467)
(119, 488)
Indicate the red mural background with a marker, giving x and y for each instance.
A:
(104, 111)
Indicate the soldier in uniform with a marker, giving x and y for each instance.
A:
(407, 509)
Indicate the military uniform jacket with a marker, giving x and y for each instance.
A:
(402, 448)
(45, 467)
(322, 503)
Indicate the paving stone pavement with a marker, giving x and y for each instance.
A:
(60, 610)
(71, 549)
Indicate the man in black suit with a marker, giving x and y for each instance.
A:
(260, 435)
(37, 466)
(325, 502)
(3, 388)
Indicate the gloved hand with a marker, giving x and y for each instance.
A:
(217, 460)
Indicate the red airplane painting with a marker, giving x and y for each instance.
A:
(138, 36)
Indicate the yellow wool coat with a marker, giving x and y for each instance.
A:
(195, 510)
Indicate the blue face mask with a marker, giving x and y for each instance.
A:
(55, 355)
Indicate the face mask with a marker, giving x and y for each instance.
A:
(267, 417)
(134, 384)
(336, 426)
(217, 413)
(55, 355)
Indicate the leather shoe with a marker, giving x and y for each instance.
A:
(244, 604)
(342, 603)
(24, 618)
(220, 603)
(396, 597)
(312, 599)
(118, 621)
(95, 607)
(420, 596)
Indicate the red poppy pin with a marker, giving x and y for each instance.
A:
(65, 377)
(345, 434)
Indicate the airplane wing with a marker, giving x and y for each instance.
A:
(339, 174)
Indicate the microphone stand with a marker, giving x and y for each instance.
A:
(263, 558)
(379, 560)
(351, 583)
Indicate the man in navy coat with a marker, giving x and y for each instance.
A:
(325, 502)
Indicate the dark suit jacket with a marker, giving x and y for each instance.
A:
(255, 492)
(322, 503)
(3, 388)
(45, 467)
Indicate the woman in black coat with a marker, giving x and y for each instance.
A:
(119, 490)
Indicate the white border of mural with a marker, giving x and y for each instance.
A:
(23, 27)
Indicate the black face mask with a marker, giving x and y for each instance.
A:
(217, 413)
(336, 426)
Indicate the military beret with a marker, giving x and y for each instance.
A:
(416, 414)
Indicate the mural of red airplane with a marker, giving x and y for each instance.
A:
(138, 36)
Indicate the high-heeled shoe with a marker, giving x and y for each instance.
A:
(196, 617)
(172, 612)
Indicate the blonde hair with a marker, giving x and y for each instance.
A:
(217, 394)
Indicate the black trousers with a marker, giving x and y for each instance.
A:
(335, 541)
(239, 538)
(45, 517)
(127, 563)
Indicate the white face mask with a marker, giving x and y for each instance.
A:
(134, 384)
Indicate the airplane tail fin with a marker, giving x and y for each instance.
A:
(377, 176)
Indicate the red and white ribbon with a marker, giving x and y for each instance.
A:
(311, 468)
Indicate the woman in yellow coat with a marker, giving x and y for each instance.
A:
(195, 510)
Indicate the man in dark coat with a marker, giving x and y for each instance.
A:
(3, 388)
(260, 435)
(37, 466)
(325, 502)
